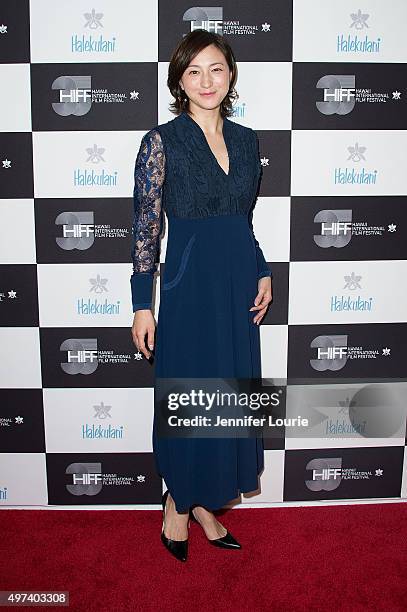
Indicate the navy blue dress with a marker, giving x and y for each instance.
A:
(210, 280)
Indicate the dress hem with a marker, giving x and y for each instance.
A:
(218, 506)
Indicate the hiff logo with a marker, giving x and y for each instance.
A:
(331, 352)
(208, 18)
(81, 355)
(339, 94)
(75, 95)
(86, 478)
(326, 474)
(336, 228)
(78, 230)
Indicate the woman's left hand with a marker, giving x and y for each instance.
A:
(263, 298)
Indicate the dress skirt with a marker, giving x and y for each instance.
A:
(205, 329)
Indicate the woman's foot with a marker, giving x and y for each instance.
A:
(176, 523)
(213, 529)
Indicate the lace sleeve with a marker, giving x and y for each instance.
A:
(149, 176)
(263, 268)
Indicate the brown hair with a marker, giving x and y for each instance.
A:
(182, 56)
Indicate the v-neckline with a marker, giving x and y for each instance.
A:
(226, 175)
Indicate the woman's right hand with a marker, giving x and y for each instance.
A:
(143, 324)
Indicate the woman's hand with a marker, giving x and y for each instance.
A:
(143, 324)
(263, 298)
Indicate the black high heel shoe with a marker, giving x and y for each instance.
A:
(178, 548)
(227, 541)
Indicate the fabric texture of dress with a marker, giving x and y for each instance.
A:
(210, 280)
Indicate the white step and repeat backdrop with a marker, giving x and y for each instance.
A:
(323, 84)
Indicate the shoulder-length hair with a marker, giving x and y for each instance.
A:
(182, 56)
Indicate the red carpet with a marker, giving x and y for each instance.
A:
(350, 558)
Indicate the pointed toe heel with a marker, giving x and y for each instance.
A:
(227, 541)
(178, 548)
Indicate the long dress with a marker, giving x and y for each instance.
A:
(210, 281)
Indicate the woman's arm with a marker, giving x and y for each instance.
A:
(149, 176)
(262, 267)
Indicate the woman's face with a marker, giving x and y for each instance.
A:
(207, 78)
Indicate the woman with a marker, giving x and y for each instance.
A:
(203, 170)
